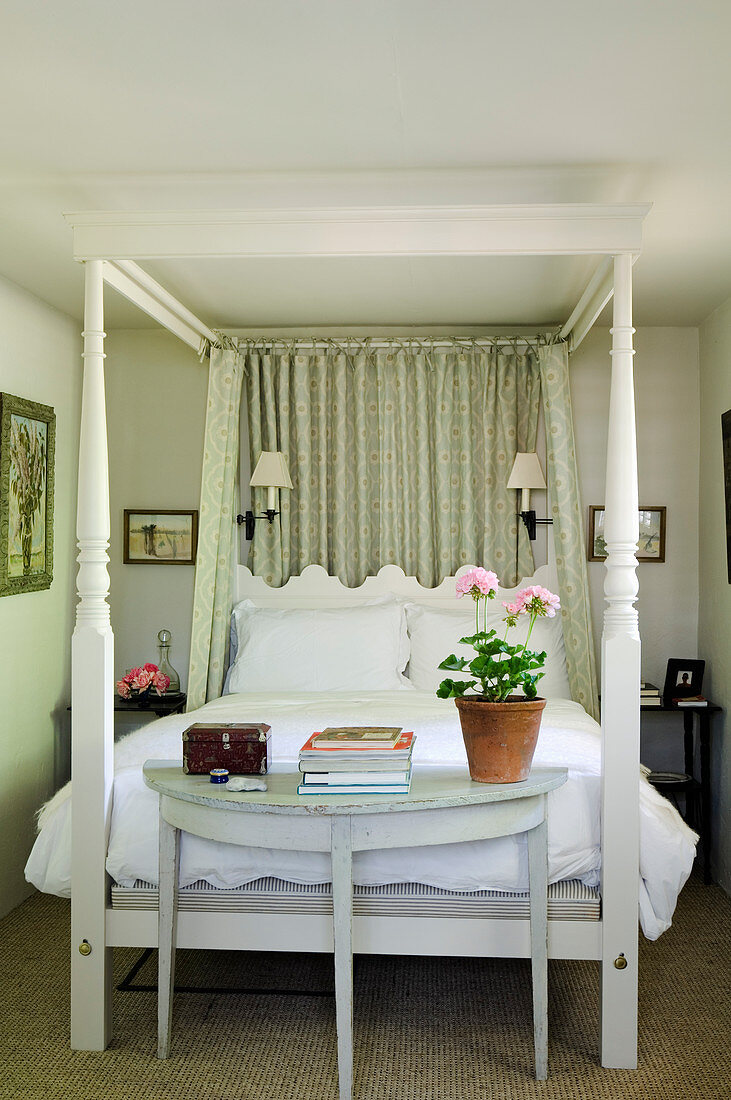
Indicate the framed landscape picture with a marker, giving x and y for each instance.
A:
(651, 545)
(27, 450)
(160, 536)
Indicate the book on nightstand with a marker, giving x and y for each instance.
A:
(360, 737)
(691, 701)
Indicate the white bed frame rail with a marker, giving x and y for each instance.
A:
(109, 243)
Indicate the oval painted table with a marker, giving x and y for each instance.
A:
(444, 806)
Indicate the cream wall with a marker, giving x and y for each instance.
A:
(714, 634)
(667, 404)
(40, 359)
(156, 402)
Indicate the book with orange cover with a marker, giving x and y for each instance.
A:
(371, 737)
(402, 746)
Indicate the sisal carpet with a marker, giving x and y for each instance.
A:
(425, 1029)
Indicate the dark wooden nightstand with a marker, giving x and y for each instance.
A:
(159, 705)
(694, 788)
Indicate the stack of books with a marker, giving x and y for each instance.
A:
(650, 695)
(356, 760)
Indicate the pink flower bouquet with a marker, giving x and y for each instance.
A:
(143, 681)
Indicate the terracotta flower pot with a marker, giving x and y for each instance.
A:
(500, 738)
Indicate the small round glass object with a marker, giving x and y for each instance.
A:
(164, 638)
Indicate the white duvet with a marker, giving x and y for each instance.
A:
(568, 738)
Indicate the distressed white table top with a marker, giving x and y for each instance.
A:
(431, 788)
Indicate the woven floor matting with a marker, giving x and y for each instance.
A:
(425, 1029)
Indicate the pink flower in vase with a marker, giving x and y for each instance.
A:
(123, 689)
(160, 682)
(143, 679)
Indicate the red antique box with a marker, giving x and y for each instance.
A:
(244, 750)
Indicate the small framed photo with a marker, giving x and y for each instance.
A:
(160, 536)
(27, 446)
(683, 678)
(651, 545)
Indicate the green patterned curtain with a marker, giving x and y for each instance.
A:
(397, 455)
(568, 529)
(216, 529)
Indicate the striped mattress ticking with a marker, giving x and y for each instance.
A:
(569, 900)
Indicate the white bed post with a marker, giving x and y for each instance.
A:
(92, 730)
(620, 699)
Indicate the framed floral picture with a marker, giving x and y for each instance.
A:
(651, 546)
(160, 536)
(27, 450)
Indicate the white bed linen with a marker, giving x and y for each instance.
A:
(569, 737)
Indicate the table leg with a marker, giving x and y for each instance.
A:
(538, 870)
(166, 927)
(342, 873)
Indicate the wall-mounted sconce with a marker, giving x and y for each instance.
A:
(271, 472)
(525, 475)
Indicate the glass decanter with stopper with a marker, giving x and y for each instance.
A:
(164, 637)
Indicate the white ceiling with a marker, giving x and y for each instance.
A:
(251, 103)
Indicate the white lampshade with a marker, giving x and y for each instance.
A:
(526, 474)
(271, 471)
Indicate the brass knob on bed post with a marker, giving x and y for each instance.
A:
(620, 962)
(85, 948)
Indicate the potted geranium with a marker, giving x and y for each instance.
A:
(499, 726)
(139, 683)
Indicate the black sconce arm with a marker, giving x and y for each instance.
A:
(249, 519)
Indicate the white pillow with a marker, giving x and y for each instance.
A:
(435, 633)
(361, 648)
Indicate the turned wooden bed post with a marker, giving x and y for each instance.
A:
(620, 699)
(92, 715)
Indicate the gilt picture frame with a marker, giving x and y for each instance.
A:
(652, 524)
(160, 536)
(27, 463)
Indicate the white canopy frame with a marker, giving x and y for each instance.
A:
(109, 243)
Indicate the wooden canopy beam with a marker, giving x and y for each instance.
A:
(515, 230)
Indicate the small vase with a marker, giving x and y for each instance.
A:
(500, 738)
(164, 637)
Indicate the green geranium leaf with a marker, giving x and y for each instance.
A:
(454, 689)
(454, 664)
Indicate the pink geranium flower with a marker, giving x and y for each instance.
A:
(537, 600)
(477, 583)
(512, 612)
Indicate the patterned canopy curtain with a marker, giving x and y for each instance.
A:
(398, 454)
(568, 529)
(216, 553)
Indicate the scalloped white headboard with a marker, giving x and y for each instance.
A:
(315, 588)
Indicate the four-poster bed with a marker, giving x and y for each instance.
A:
(109, 244)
